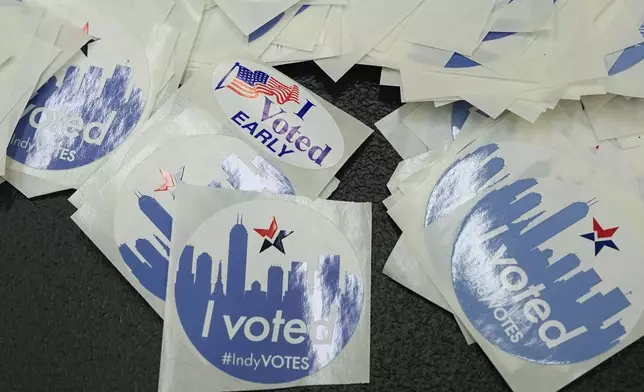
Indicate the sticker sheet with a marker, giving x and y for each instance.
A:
(485, 225)
(93, 101)
(256, 300)
(532, 318)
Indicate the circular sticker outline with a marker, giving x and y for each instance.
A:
(358, 267)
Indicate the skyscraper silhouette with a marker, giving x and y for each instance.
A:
(297, 281)
(218, 292)
(237, 258)
(275, 284)
(155, 212)
(329, 279)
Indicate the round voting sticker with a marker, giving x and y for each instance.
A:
(277, 115)
(269, 291)
(549, 270)
(87, 109)
(143, 220)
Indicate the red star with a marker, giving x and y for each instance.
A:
(601, 232)
(168, 182)
(270, 232)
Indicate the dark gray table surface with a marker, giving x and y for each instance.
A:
(70, 322)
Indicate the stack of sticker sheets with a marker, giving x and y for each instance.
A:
(216, 214)
(89, 102)
(210, 199)
(202, 173)
(526, 57)
(522, 56)
(530, 234)
(277, 32)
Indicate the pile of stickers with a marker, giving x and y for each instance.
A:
(530, 234)
(522, 56)
(209, 199)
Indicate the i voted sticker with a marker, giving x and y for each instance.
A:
(549, 271)
(85, 110)
(143, 219)
(277, 115)
(269, 291)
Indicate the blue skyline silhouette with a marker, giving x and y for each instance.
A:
(195, 294)
(82, 100)
(629, 57)
(477, 281)
(152, 270)
(462, 180)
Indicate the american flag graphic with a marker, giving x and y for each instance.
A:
(251, 84)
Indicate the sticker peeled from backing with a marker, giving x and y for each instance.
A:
(85, 110)
(276, 115)
(548, 271)
(269, 291)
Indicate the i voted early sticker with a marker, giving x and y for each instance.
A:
(549, 271)
(85, 110)
(277, 115)
(269, 291)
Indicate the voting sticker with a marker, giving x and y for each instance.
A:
(277, 115)
(549, 271)
(86, 109)
(269, 291)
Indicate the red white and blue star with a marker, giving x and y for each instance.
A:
(601, 237)
(268, 235)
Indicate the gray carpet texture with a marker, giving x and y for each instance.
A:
(70, 322)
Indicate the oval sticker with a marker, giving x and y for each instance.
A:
(269, 291)
(85, 110)
(142, 217)
(548, 271)
(278, 115)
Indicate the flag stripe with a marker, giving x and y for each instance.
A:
(251, 84)
(243, 90)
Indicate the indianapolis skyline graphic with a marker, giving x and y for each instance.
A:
(581, 323)
(148, 258)
(480, 299)
(311, 294)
